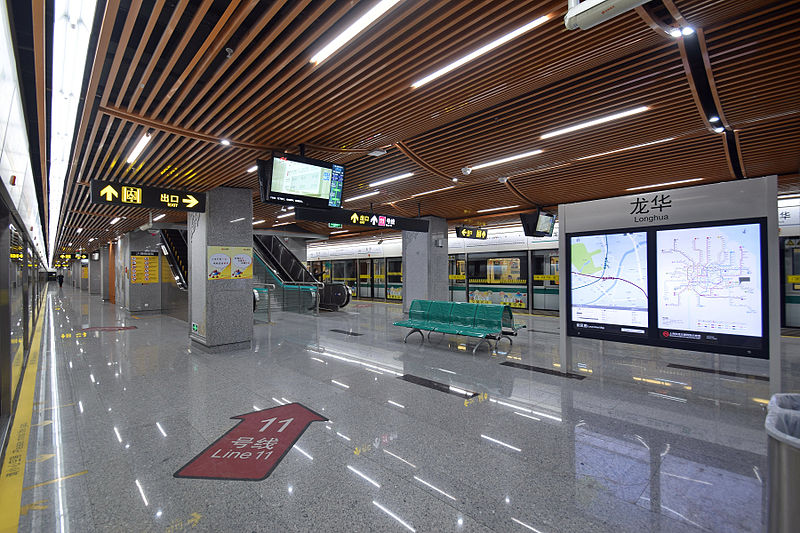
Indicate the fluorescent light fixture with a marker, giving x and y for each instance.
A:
(364, 476)
(595, 122)
(688, 30)
(675, 32)
(340, 231)
(225, 142)
(719, 129)
(282, 224)
(159, 217)
(500, 443)
(285, 215)
(354, 29)
(253, 168)
(713, 119)
(137, 150)
(480, 51)
(256, 222)
(506, 159)
(389, 180)
(114, 221)
(433, 191)
(237, 220)
(90, 240)
(496, 209)
(665, 184)
(79, 230)
(635, 146)
(387, 511)
(360, 196)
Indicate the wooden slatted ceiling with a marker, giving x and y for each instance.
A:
(167, 61)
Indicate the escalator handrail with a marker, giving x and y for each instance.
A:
(293, 260)
(268, 259)
(172, 261)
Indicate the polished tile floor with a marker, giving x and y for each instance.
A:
(635, 446)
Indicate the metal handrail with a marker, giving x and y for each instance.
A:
(268, 287)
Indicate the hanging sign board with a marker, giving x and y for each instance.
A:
(106, 192)
(359, 218)
(466, 232)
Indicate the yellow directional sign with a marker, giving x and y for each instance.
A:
(149, 197)
(793, 279)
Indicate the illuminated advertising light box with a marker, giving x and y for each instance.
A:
(692, 286)
(289, 179)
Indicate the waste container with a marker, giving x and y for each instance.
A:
(789, 402)
(783, 456)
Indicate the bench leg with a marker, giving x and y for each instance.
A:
(415, 330)
(510, 343)
(475, 349)
(429, 335)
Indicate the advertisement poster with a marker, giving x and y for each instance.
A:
(144, 267)
(230, 262)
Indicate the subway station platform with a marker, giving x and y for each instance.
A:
(420, 437)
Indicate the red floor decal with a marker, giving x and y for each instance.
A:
(252, 449)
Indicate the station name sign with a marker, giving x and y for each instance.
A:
(358, 218)
(466, 232)
(106, 192)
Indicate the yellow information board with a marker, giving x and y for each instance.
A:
(230, 262)
(793, 279)
(85, 271)
(144, 267)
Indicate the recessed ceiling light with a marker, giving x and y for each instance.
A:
(713, 118)
(688, 30)
(480, 51)
(114, 221)
(626, 148)
(79, 230)
(354, 29)
(225, 142)
(389, 180)
(506, 159)
(665, 184)
(159, 217)
(360, 196)
(675, 32)
(253, 168)
(595, 122)
(497, 208)
(719, 129)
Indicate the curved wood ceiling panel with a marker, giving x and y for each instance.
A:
(240, 70)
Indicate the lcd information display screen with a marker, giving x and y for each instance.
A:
(608, 275)
(709, 283)
(294, 180)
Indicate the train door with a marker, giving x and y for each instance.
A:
(545, 279)
(394, 278)
(457, 271)
(365, 278)
(790, 250)
(379, 278)
(345, 272)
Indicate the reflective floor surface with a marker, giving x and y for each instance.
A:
(463, 443)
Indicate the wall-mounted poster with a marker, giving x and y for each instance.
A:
(230, 262)
(144, 267)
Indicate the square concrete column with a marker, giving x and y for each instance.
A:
(220, 310)
(105, 271)
(94, 275)
(425, 263)
(141, 294)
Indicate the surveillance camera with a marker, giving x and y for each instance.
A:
(503, 179)
(466, 171)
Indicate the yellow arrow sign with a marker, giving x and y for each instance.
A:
(109, 192)
(195, 519)
(35, 506)
(190, 201)
(42, 458)
(354, 218)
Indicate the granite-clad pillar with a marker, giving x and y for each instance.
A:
(425, 263)
(142, 294)
(105, 286)
(220, 310)
(94, 275)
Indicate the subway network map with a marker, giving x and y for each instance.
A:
(709, 279)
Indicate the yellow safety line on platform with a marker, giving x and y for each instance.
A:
(13, 472)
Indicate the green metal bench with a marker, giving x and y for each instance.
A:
(485, 321)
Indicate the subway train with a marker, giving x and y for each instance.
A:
(506, 268)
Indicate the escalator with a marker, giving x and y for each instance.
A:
(176, 251)
(174, 284)
(289, 272)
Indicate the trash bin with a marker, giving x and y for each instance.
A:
(789, 402)
(783, 456)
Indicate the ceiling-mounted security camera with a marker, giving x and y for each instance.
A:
(466, 171)
(502, 179)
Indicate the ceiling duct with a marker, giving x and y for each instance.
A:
(590, 13)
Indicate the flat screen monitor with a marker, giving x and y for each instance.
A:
(608, 289)
(537, 224)
(289, 179)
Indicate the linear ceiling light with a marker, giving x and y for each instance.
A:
(433, 191)
(285, 215)
(665, 184)
(480, 51)
(340, 231)
(256, 222)
(360, 196)
(253, 168)
(389, 180)
(788, 196)
(114, 221)
(354, 29)
(595, 122)
(507, 159)
(138, 148)
(72, 26)
(159, 217)
(496, 209)
(626, 148)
